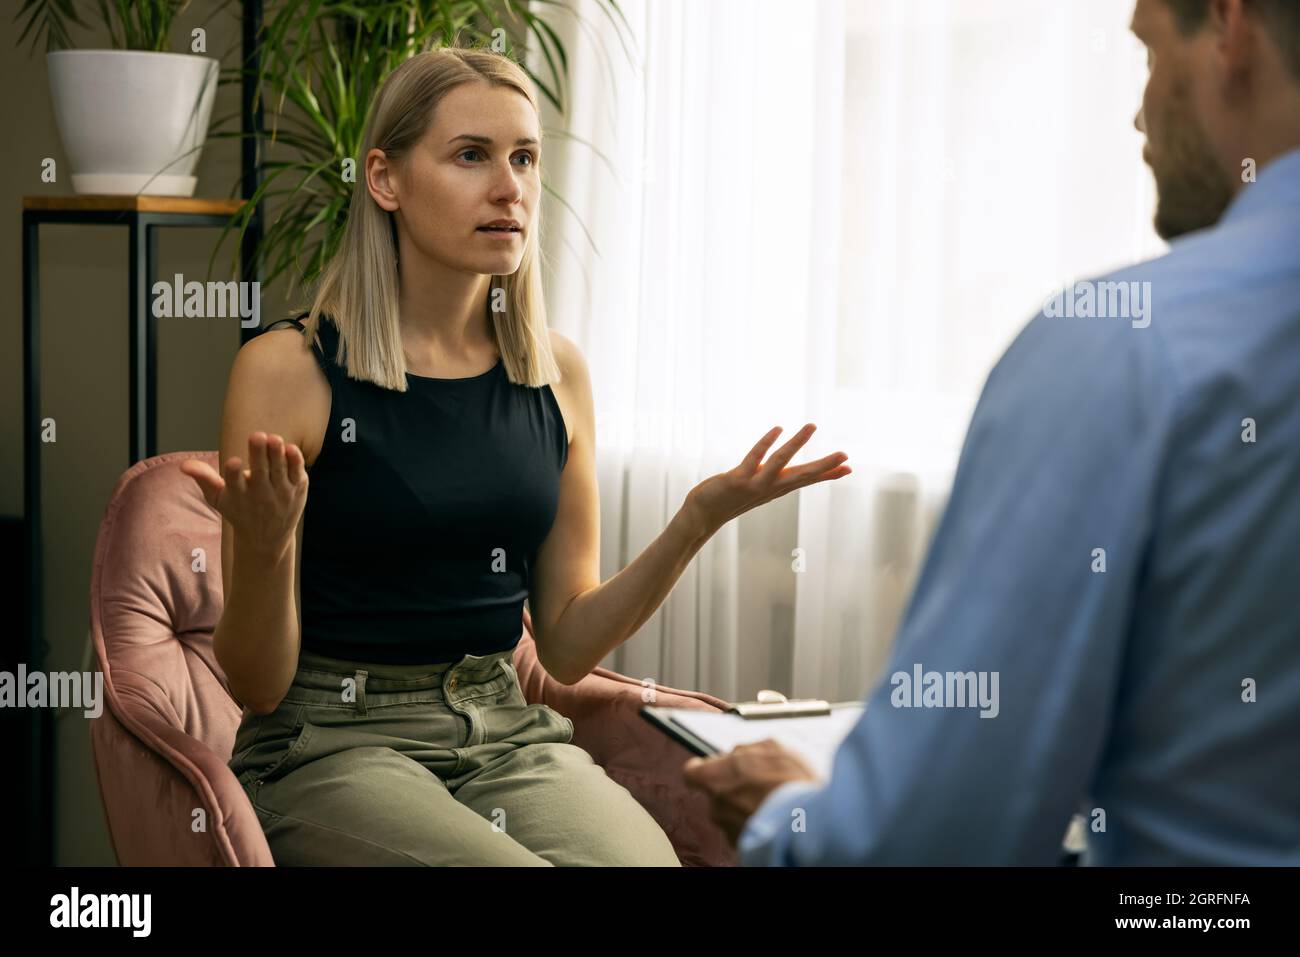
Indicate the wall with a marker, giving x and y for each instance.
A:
(84, 337)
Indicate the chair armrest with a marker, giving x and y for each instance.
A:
(605, 710)
(170, 799)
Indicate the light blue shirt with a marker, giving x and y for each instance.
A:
(1160, 697)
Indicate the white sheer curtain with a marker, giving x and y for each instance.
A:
(832, 211)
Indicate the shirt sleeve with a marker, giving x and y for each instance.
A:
(1025, 595)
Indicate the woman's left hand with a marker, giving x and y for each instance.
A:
(720, 498)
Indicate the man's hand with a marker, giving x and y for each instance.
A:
(738, 782)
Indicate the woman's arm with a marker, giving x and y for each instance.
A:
(256, 641)
(257, 637)
(577, 619)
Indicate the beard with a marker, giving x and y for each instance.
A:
(1192, 188)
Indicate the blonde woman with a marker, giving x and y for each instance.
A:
(449, 438)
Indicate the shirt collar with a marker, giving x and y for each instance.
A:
(1276, 184)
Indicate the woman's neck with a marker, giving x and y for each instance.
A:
(443, 313)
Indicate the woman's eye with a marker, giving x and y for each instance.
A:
(532, 160)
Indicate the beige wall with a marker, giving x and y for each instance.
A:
(84, 338)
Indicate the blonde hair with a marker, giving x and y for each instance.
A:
(358, 288)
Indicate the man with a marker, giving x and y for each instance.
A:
(1121, 549)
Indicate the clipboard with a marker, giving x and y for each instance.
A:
(833, 721)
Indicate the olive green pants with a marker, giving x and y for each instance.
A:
(437, 764)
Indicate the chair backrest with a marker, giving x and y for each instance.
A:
(169, 719)
(156, 597)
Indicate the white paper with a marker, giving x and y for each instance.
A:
(814, 738)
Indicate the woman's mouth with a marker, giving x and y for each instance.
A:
(500, 232)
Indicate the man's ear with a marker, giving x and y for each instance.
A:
(1235, 35)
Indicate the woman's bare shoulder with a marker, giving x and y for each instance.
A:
(277, 381)
(276, 358)
(573, 391)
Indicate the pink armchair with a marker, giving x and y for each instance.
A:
(162, 743)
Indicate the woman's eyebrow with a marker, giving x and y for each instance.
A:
(487, 140)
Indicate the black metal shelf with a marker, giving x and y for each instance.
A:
(142, 216)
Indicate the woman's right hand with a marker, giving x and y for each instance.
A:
(263, 502)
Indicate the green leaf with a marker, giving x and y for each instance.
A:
(50, 19)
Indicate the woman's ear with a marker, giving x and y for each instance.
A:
(381, 180)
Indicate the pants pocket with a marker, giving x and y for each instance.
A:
(569, 723)
(278, 745)
(558, 727)
(290, 756)
(547, 717)
(516, 691)
(252, 729)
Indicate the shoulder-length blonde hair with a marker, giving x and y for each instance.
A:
(358, 288)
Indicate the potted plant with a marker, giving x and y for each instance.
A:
(133, 118)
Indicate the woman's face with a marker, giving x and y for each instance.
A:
(476, 163)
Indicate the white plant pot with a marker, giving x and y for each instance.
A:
(132, 121)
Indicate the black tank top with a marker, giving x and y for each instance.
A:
(424, 514)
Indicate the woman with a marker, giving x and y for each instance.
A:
(450, 442)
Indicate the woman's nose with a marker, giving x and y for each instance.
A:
(506, 185)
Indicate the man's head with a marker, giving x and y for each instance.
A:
(1224, 89)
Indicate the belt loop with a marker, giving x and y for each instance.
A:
(361, 691)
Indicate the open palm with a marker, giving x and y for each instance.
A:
(720, 498)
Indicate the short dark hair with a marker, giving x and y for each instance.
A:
(1189, 15)
(1282, 17)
